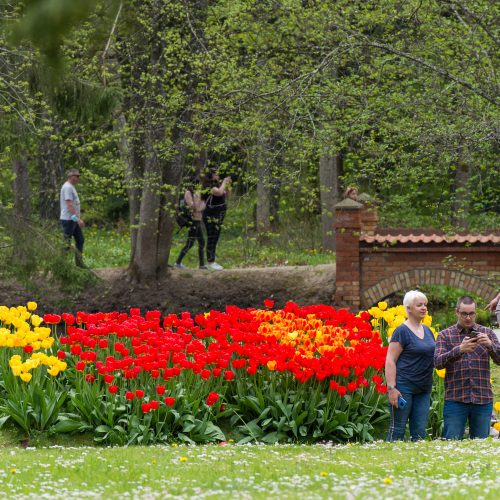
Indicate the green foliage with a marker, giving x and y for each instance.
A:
(32, 407)
(261, 90)
(301, 414)
(36, 254)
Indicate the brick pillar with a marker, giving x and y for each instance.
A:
(369, 214)
(347, 232)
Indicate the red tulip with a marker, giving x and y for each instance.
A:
(269, 303)
(129, 396)
(212, 398)
(169, 401)
(113, 389)
(76, 349)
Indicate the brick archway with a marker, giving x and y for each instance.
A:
(413, 278)
(373, 263)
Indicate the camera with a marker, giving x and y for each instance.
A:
(401, 402)
(473, 334)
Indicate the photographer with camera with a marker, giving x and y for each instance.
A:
(408, 371)
(215, 197)
(464, 349)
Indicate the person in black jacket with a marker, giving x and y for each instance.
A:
(215, 210)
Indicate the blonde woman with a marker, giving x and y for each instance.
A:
(408, 371)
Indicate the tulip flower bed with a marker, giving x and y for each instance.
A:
(300, 374)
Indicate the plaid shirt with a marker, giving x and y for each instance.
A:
(467, 378)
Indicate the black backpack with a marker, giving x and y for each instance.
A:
(184, 215)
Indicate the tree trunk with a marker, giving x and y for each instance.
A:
(51, 178)
(22, 197)
(131, 159)
(22, 212)
(330, 170)
(145, 255)
(172, 176)
(263, 212)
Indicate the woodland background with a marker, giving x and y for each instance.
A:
(293, 99)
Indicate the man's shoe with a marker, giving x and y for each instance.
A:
(203, 267)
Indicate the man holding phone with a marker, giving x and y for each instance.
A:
(464, 349)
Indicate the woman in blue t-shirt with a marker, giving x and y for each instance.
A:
(408, 371)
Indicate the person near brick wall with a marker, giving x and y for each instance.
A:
(465, 349)
(408, 371)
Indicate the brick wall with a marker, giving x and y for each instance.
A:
(369, 272)
(385, 271)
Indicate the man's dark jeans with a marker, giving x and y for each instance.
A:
(72, 230)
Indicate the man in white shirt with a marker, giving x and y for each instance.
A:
(71, 222)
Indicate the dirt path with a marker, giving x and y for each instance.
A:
(188, 290)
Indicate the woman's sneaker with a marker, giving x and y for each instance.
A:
(214, 266)
(203, 267)
(180, 266)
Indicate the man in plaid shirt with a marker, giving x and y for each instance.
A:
(464, 349)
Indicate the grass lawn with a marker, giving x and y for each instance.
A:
(296, 243)
(381, 470)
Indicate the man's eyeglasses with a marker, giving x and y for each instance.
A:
(464, 314)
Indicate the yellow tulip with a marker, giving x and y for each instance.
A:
(375, 312)
(36, 320)
(16, 370)
(15, 360)
(496, 426)
(382, 306)
(32, 306)
(441, 373)
(497, 406)
(25, 377)
(47, 343)
(427, 321)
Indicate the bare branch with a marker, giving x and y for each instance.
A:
(436, 69)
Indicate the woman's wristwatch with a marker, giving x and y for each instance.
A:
(391, 387)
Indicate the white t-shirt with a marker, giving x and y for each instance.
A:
(68, 192)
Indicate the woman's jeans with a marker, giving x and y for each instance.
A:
(456, 414)
(416, 411)
(213, 224)
(195, 233)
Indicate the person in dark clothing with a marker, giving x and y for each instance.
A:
(409, 368)
(194, 202)
(214, 213)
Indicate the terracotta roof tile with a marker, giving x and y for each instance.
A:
(431, 238)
